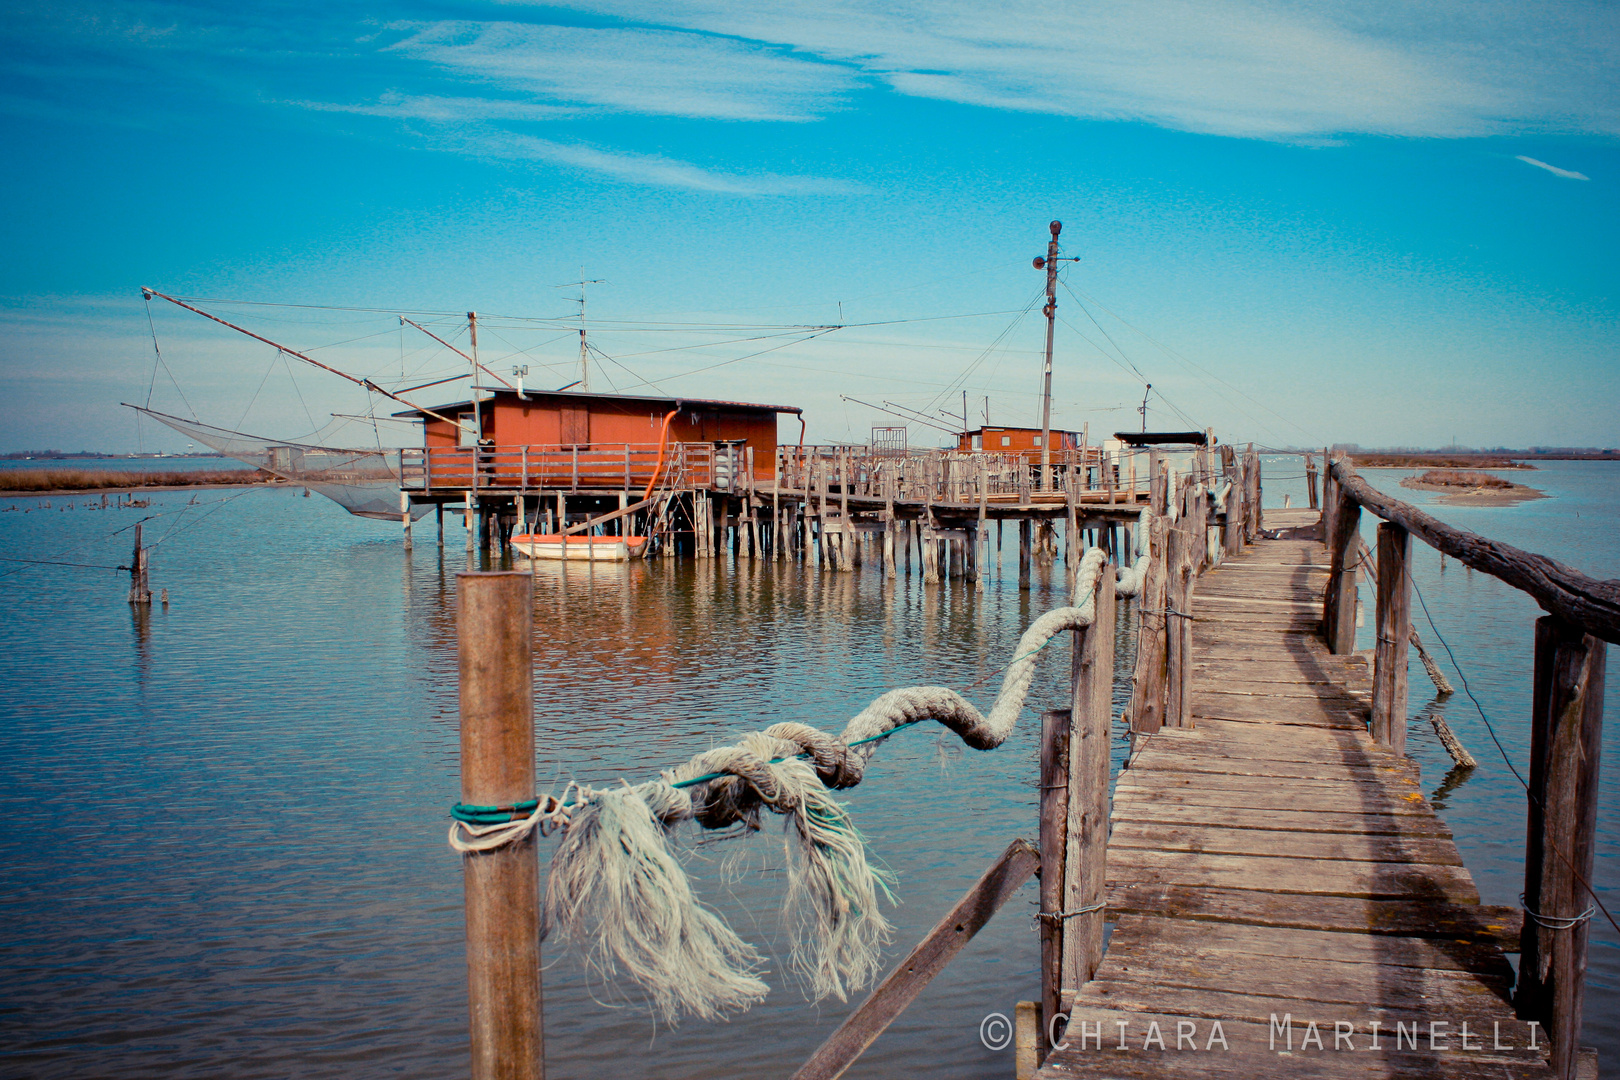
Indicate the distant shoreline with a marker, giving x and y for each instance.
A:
(1472, 488)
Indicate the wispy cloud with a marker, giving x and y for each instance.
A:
(652, 170)
(658, 72)
(1250, 68)
(446, 110)
(1567, 174)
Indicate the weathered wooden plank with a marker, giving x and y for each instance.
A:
(1377, 881)
(1261, 799)
(1339, 914)
(1145, 932)
(1218, 840)
(1129, 807)
(1391, 796)
(1324, 767)
(1312, 978)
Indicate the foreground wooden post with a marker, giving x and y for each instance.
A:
(1054, 815)
(1179, 554)
(1147, 690)
(1339, 598)
(494, 626)
(906, 981)
(1310, 480)
(1566, 736)
(1086, 848)
(1394, 624)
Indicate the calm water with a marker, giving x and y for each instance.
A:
(226, 848)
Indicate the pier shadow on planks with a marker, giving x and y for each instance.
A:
(1273, 861)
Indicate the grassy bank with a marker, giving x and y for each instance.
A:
(1435, 461)
(103, 479)
(1462, 479)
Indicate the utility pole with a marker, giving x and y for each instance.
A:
(1142, 408)
(584, 352)
(1049, 264)
(472, 334)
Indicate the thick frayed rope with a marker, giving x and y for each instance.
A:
(618, 891)
(617, 888)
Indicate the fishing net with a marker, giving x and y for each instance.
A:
(366, 483)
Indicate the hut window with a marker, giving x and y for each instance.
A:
(1006, 440)
(1037, 440)
(978, 442)
(467, 432)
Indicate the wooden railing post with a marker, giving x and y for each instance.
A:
(1147, 690)
(1054, 834)
(1394, 625)
(494, 627)
(1566, 735)
(1339, 598)
(1086, 849)
(1310, 480)
(1179, 553)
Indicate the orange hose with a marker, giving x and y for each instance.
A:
(663, 444)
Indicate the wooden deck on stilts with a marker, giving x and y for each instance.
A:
(1273, 861)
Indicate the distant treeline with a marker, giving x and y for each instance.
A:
(100, 479)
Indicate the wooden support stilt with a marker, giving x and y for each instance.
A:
(1179, 554)
(1026, 531)
(1054, 835)
(140, 587)
(1090, 742)
(1148, 681)
(494, 627)
(1394, 625)
(1566, 738)
(1339, 598)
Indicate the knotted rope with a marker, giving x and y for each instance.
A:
(617, 888)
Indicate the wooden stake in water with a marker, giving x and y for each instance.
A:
(494, 639)
(140, 589)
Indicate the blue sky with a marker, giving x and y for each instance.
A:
(1303, 223)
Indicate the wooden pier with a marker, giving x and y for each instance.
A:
(1273, 860)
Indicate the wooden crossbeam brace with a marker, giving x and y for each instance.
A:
(1017, 864)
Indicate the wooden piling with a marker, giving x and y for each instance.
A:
(1026, 530)
(1310, 480)
(1393, 619)
(405, 518)
(1566, 738)
(1054, 833)
(140, 587)
(1086, 845)
(1339, 598)
(494, 639)
(1148, 681)
(1178, 576)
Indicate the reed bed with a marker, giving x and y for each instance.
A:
(101, 479)
(1462, 478)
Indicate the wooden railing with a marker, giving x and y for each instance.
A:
(1566, 722)
(599, 465)
(961, 477)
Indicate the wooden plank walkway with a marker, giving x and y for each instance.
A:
(1274, 861)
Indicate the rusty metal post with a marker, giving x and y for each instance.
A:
(494, 626)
